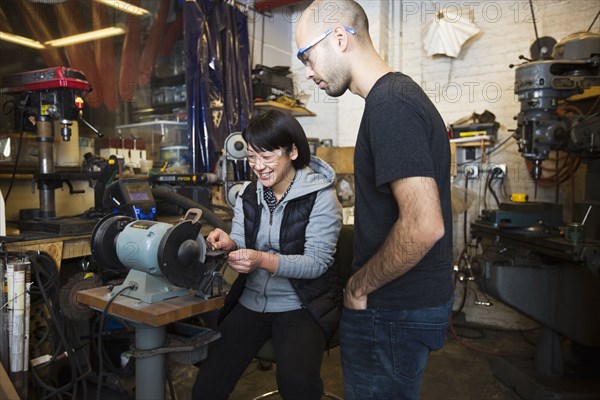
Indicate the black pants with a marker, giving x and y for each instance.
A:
(299, 344)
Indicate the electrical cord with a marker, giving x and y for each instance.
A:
(495, 172)
(42, 263)
(485, 329)
(561, 175)
(481, 349)
(4, 110)
(170, 381)
(457, 265)
(594, 21)
(19, 145)
(126, 371)
(165, 193)
(477, 332)
(228, 210)
(485, 188)
(488, 152)
(453, 314)
(465, 213)
(101, 328)
(462, 301)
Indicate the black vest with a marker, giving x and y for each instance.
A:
(322, 296)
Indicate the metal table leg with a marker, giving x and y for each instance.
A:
(150, 371)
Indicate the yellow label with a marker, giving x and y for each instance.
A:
(519, 197)
(472, 133)
(140, 226)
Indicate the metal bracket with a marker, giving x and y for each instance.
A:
(206, 288)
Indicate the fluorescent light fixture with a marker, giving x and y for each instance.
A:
(86, 37)
(125, 7)
(23, 41)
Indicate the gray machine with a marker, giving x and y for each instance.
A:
(540, 87)
(48, 95)
(164, 260)
(527, 262)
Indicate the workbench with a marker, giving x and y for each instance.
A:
(58, 247)
(150, 321)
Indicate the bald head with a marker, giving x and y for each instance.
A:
(334, 45)
(324, 14)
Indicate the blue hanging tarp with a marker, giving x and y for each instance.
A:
(217, 77)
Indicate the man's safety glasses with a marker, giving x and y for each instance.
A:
(303, 52)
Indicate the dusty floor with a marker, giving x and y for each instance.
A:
(455, 372)
(461, 370)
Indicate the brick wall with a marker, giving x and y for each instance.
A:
(478, 79)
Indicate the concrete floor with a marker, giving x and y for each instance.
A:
(454, 372)
(461, 370)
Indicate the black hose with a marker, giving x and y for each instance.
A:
(41, 263)
(495, 172)
(101, 328)
(166, 194)
(462, 301)
(465, 214)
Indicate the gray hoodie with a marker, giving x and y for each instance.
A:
(266, 292)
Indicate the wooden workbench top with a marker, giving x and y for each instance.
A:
(157, 314)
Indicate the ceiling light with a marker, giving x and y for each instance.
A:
(125, 7)
(23, 41)
(86, 37)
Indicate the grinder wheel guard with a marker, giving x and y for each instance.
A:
(180, 256)
(104, 238)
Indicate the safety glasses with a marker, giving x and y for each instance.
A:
(268, 159)
(303, 52)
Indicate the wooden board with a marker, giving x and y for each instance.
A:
(453, 170)
(157, 314)
(7, 390)
(58, 247)
(341, 159)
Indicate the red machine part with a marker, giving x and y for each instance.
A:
(44, 79)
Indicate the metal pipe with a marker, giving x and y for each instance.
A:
(45, 139)
(150, 374)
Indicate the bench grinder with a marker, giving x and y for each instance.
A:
(164, 260)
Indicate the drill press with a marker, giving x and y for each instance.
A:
(52, 94)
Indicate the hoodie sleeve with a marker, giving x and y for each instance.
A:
(237, 224)
(322, 233)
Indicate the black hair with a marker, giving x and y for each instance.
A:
(274, 130)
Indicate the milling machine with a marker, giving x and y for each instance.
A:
(526, 260)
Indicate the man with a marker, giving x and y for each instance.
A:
(398, 302)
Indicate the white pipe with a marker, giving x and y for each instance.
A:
(18, 316)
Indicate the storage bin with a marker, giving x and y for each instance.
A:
(156, 134)
(183, 334)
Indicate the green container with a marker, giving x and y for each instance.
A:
(575, 232)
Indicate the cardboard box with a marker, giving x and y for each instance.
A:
(341, 159)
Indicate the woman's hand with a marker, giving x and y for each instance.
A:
(219, 240)
(245, 261)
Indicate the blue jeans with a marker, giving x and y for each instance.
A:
(384, 352)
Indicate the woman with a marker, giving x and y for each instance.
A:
(282, 244)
